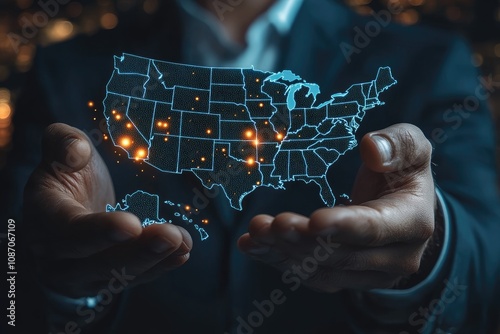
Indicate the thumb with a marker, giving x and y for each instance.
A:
(65, 148)
(396, 148)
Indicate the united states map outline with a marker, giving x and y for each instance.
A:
(238, 128)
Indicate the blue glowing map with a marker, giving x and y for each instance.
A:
(236, 128)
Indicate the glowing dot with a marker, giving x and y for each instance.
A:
(141, 153)
(257, 80)
(118, 117)
(129, 125)
(258, 182)
(266, 122)
(197, 98)
(250, 161)
(209, 131)
(261, 159)
(90, 104)
(187, 207)
(249, 134)
(256, 142)
(165, 125)
(261, 104)
(166, 139)
(159, 123)
(125, 142)
(203, 159)
(113, 112)
(279, 136)
(223, 150)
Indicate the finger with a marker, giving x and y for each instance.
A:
(396, 148)
(90, 234)
(259, 229)
(65, 148)
(290, 226)
(156, 243)
(376, 223)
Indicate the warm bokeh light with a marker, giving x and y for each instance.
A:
(109, 21)
(5, 110)
(249, 134)
(279, 136)
(250, 161)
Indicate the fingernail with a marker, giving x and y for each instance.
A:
(159, 245)
(120, 236)
(69, 141)
(384, 147)
(259, 250)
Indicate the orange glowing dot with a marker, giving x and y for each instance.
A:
(125, 142)
(187, 207)
(159, 123)
(165, 125)
(250, 161)
(256, 142)
(129, 125)
(113, 112)
(209, 131)
(118, 117)
(249, 134)
(279, 136)
(261, 104)
(166, 139)
(141, 153)
(90, 104)
(266, 122)
(223, 150)
(197, 98)
(261, 159)
(203, 159)
(257, 80)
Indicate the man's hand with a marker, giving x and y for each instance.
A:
(382, 236)
(77, 245)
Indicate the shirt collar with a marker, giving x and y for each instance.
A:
(281, 15)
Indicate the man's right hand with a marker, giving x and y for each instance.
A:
(76, 245)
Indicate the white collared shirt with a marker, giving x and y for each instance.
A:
(206, 42)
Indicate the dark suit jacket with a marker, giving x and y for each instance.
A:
(219, 284)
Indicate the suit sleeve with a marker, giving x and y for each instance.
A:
(460, 295)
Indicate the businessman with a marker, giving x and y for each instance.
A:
(415, 251)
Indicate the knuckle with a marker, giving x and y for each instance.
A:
(410, 266)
